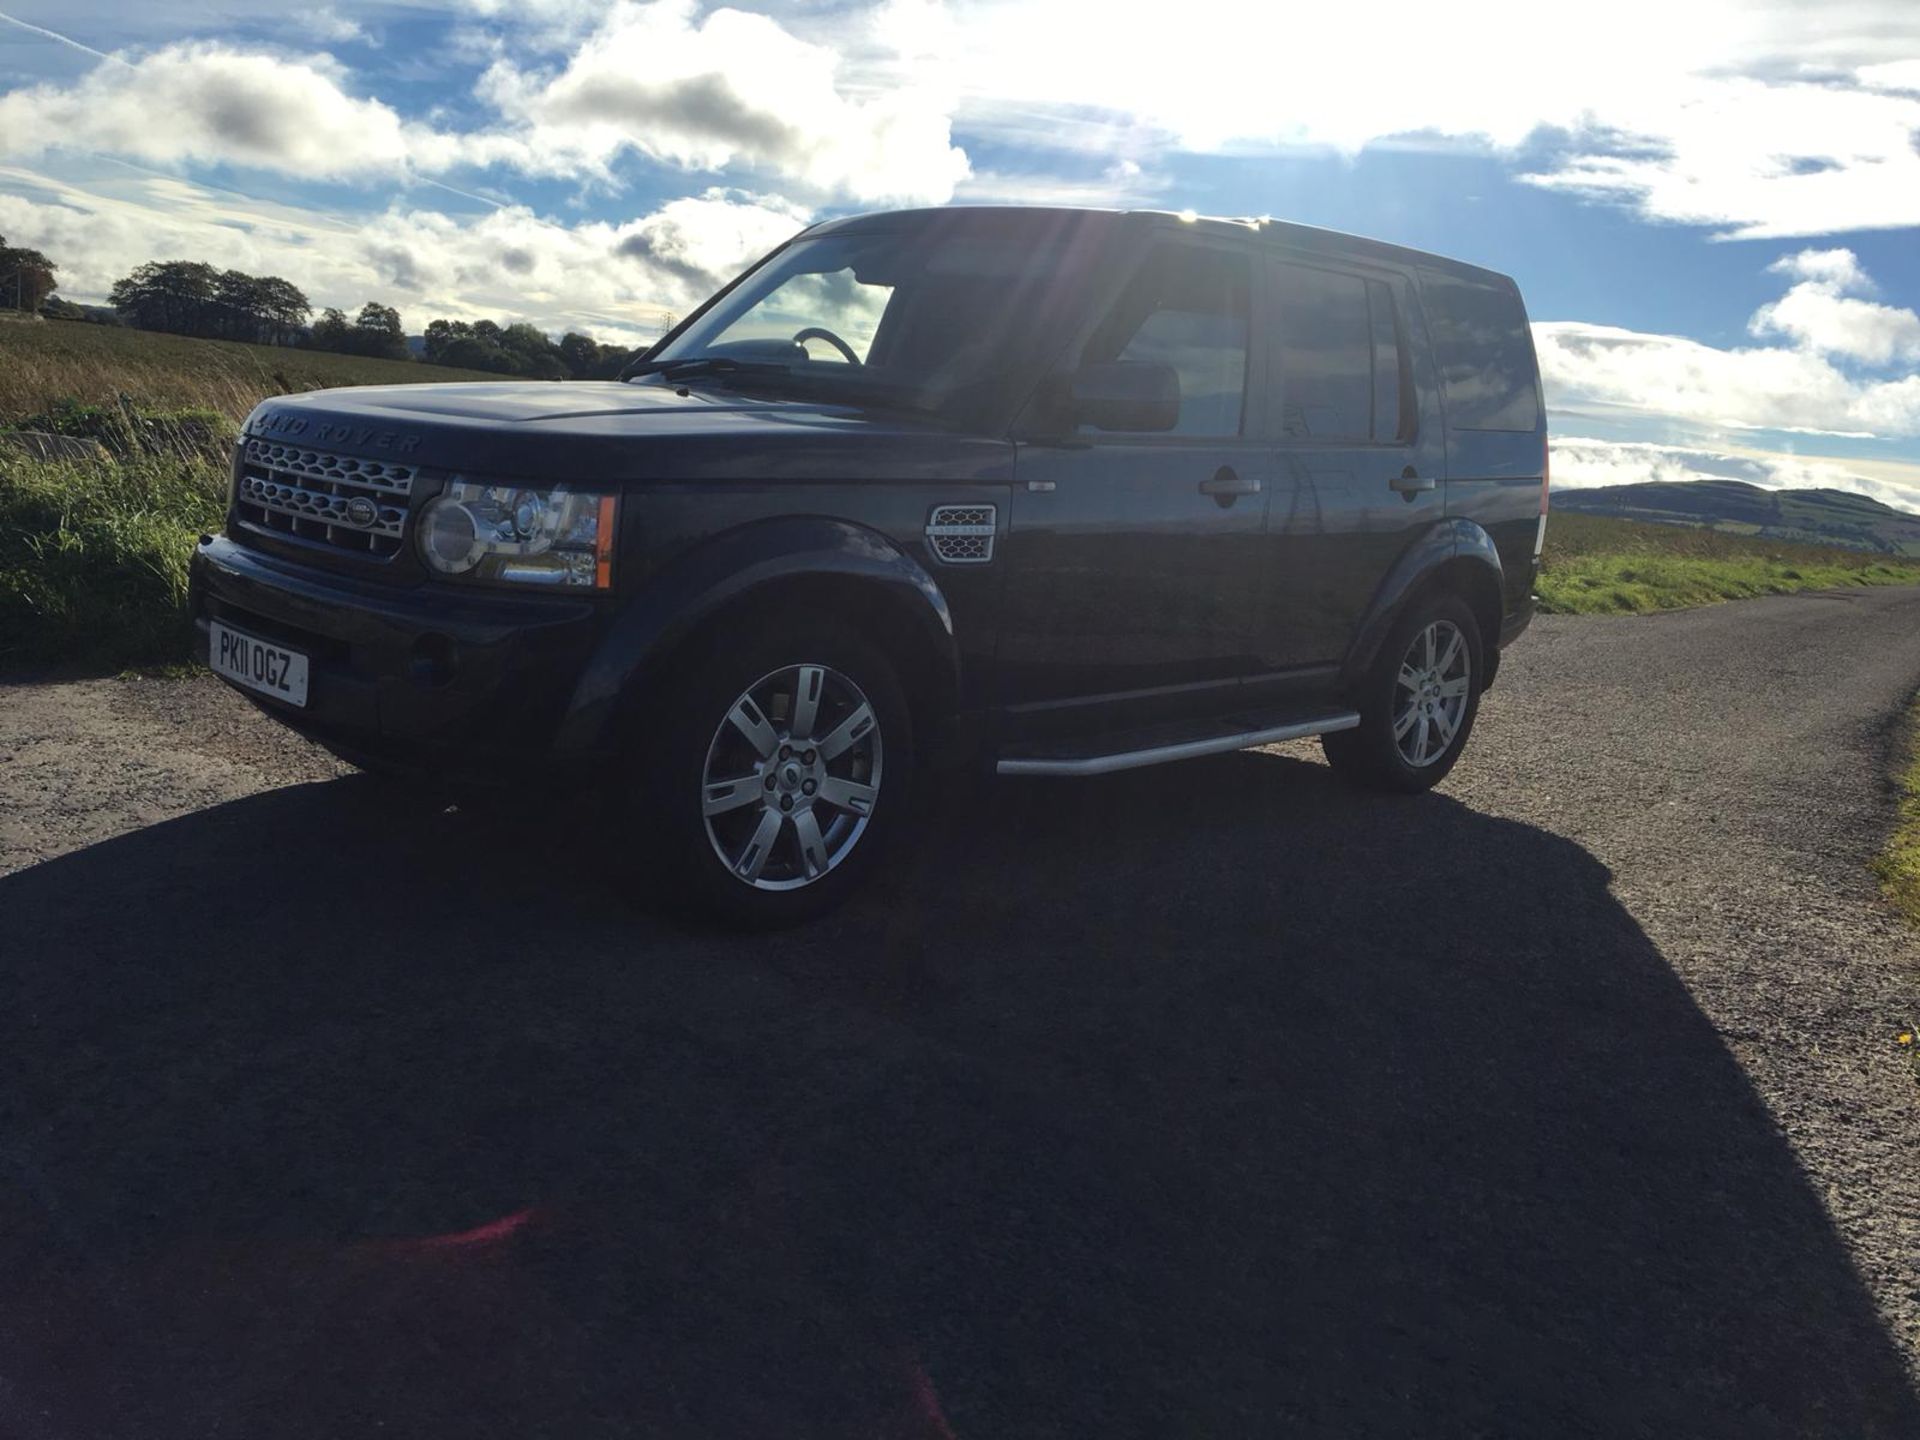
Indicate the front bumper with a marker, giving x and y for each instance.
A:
(467, 685)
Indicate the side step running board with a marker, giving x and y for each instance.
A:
(1183, 750)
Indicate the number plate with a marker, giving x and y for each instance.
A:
(270, 669)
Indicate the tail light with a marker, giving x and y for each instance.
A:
(1546, 466)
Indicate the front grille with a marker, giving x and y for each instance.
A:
(358, 505)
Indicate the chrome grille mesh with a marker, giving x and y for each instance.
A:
(322, 505)
(318, 465)
(342, 500)
(961, 534)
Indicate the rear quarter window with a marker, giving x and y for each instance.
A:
(1485, 352)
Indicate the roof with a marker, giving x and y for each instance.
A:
(1311, 238)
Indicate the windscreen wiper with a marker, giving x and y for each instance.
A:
(692, 366)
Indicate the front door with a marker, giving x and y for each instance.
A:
(1134, 560)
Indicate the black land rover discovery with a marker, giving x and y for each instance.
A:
(1071, 491)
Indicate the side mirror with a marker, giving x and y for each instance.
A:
(1125, 395)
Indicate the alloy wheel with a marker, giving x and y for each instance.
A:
(792, 776)
(1431, 692)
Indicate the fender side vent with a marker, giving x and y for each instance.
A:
(961, 534)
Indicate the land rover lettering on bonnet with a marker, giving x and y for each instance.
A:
(1055, 492)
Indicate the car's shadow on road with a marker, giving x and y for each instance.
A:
(1213, 1101)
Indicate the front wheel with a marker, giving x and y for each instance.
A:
(1417, 703)
(785, 765)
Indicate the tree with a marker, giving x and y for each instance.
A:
(282, 311)
(374, 331)
(235, 297)
(532, 354)
(174, 295)
(191, 298)
(521, 349)
(377, 331)
(330, 331)
(439, 334)
(587, 359)
(580, 353)
(26, 277)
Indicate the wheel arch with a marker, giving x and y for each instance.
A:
(1455, 556)
(843, 569)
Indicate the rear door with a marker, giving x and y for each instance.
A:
(1496, 418)
(1359, 448)
(1134, 568)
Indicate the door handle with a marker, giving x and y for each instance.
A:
(1409, 483)
(1227, 486)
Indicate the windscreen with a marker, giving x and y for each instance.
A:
(913, 317)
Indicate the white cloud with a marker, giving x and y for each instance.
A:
(614, 280)
(728, 90)
(1757, 158)
(1777, 119)
(330, 27)
(1838, 268)
(1605, 370)
(1602, 370)
(512, 261)
(1758, 120)
(1820, 317)
(209, 104)
(1121, 184)
(1893, 75)
(1581, 462)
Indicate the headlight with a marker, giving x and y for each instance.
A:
(529, 537)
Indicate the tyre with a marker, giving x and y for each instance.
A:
(780, 775)
(1417, 703)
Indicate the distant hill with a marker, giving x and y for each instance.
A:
(1733, 507)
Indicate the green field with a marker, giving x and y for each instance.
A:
(1596, 565)
(45, 364)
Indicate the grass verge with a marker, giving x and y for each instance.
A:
(1595, 565)
(93, 557)
(93, 552)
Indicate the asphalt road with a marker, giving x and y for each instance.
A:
(1213, 1101)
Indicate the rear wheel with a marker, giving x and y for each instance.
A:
(780, 772)
(1417, 703)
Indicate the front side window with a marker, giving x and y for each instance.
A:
(1188, 309)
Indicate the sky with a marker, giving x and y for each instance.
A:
(1711, 207)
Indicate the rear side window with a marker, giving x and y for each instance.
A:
(1188, 308)
(1326, 354)
(1485, 352)
(1342, 357)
